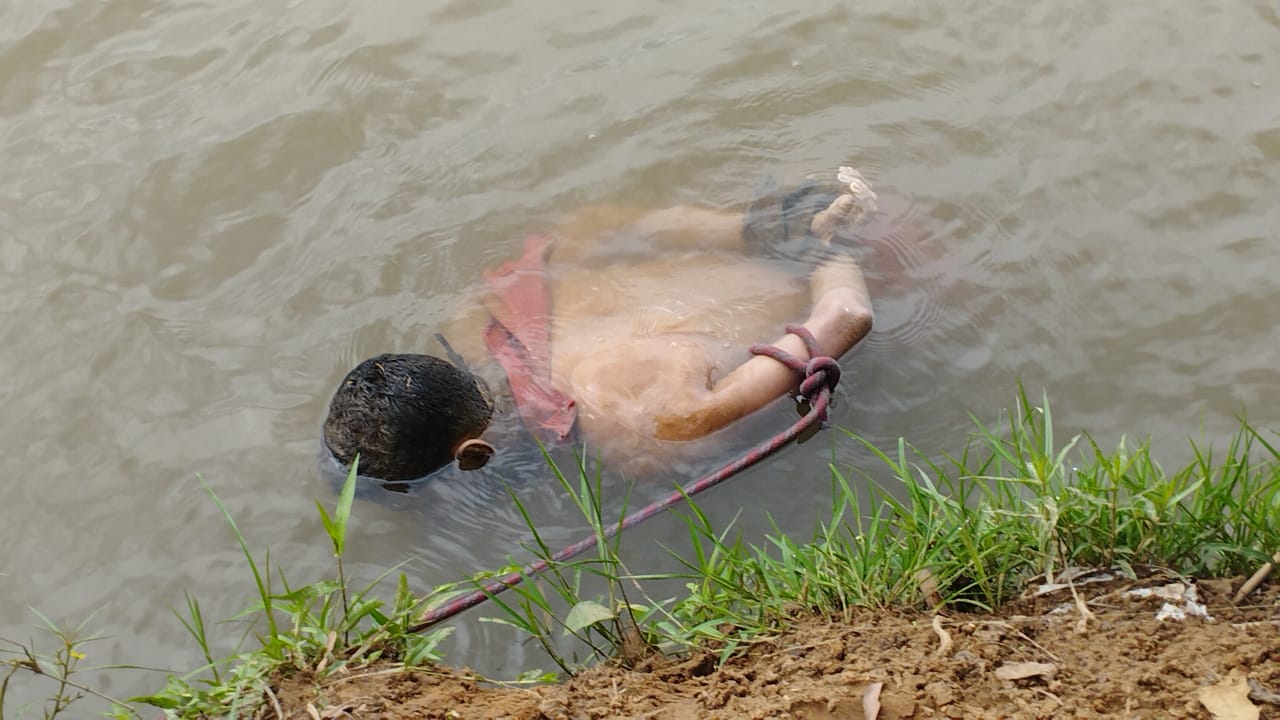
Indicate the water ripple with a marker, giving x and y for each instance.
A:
(210, 210)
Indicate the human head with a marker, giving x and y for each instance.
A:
(407, 415)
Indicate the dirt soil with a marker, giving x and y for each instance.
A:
(1113, 659)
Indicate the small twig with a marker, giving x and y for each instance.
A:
(813, 645)
(944, 637)
(1259, 694)
(1254, 624)
(103, 696)
(389, 671)
(1049, 695)
(275, 704)
(4, 686)
(1027, 637)
(1086, 614)
(1256, 579)
(73, 684)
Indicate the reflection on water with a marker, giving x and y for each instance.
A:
(209, 212)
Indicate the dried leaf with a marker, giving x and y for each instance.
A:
(1229, 699)
(328, 652)
(871, 701)
(1024, 670)
(928, 588)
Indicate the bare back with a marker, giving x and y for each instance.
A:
(652, 314)
(628, 339)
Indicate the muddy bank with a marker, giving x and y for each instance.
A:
(1107, 655)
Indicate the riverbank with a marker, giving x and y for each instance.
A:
(1120, 662)
(1030, 575)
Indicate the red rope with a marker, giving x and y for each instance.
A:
(819, 377)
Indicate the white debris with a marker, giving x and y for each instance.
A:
(1024, 670)
(1196, 609)
(1073, 576)
(1172, 591)
(1181, 601)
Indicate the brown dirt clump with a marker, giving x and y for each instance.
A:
(1113, 659)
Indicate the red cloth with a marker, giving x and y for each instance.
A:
(519, 338)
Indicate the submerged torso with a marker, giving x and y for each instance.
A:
(629, 336)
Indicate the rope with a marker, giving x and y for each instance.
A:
(819, 377)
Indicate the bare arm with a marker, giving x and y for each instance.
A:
(840, 318)
(601, 228)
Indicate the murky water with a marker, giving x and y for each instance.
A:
(210, 211)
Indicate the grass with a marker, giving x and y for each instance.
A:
(965, 531)
(603, 624)
(319, 628)
(970, 531)
(58, 667)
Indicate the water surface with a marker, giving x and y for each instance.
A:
(209, 211)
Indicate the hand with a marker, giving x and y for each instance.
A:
(803, 223)
(847, 210)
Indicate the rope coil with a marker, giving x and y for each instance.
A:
(821, 371)
(819, 377)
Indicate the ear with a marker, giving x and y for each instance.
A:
(473, 454)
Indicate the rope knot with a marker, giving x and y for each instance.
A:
(820, 373)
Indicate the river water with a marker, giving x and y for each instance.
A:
(209, 211)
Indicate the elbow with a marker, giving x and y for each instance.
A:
(844, 317)
(862, 321)
(852, 323)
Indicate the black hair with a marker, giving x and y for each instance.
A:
(404, 414)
